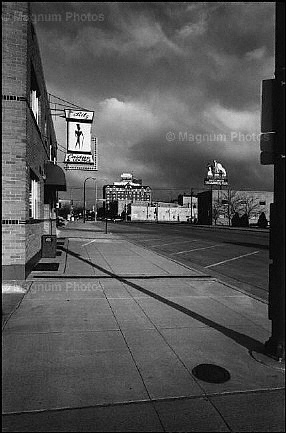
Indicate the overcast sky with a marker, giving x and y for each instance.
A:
(173, 85)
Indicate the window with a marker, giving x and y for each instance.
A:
(52, 152)
(262, 203)
(34, 196)
(35, 96)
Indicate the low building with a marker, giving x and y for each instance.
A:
(217, 207)
(160, 212)
(30, 175)
(190, 201)
(121, 194)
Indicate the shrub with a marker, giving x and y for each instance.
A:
(244, 221)
(235, 220)
(262, 221)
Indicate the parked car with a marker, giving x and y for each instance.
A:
(117, 219)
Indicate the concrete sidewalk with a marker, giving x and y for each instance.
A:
(110, 340)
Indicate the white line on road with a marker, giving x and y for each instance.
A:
(197, 249)
(174, 242)
(229, 260)
(94, 240)
(152, 239)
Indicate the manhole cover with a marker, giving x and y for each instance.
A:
(46, 267)
(211, 373)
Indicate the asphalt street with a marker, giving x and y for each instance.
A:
(238, 257)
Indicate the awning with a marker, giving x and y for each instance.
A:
(55, 177)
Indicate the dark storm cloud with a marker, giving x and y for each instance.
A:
(151, 68)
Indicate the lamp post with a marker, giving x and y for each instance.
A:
(128, 190)
(84, 210)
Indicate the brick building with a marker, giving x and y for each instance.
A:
(121, 194)
(30, 176)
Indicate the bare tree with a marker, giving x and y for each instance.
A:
(239, 202)
(248, 205)
(216, 211)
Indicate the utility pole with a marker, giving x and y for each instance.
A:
(275, 346)
(191, 205)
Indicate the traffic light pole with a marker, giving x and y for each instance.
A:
(275, 346)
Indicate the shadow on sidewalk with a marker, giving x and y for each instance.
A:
(243, 340)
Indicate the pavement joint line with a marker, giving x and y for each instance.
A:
(234, 258)
(127, 277)
(152, 400)
(197, 249)
(133, 357)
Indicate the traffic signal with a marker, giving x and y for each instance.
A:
(267, 147)
(268, 127)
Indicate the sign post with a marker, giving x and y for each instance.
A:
(273, 152)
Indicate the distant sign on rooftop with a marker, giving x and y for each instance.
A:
(216, 174)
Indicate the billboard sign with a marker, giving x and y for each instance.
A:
(216, 174)
(79, 150)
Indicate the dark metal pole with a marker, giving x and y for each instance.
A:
(275, 346)
(191, 205)
(84, 200)
(84, 210)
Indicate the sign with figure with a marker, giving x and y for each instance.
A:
(216, 174)
(79, 141)
(79, 131)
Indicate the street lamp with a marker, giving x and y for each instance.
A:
(84, 210)
(128, 190)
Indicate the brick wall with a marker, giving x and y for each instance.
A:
(14, 89)
(25, 142)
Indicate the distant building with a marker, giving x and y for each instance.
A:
(217, 207)
(160, 212)
(121, 194)
(30, 175)
(190, 201)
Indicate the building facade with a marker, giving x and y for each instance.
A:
(30, 176)
(217, 207)
(121, 194)
(160, 212)
(190, 201)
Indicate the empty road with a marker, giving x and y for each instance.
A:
(239, 257)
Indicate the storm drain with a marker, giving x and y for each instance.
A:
(46, 267)
(211, 373)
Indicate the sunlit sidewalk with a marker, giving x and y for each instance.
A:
(113, 339)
